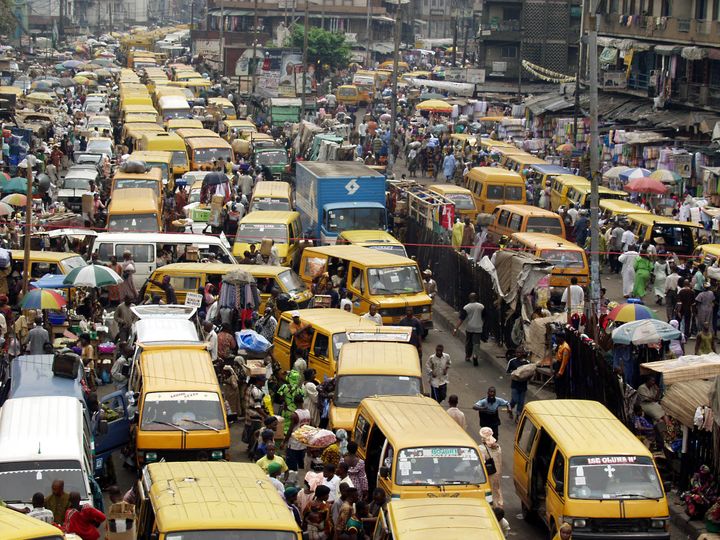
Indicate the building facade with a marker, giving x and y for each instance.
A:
(544, 32)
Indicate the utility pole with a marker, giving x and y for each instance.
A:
(520, 60)
(305, 56)
(368, 34)
(454, 17)
(28, 225)
(579, 73)
(221, 41)
(466, 27)
(61, 22)
(255, 40)
(594, 160)
(393, 113)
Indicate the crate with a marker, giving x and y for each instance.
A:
(200, 214)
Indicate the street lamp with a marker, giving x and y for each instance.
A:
(396, 54)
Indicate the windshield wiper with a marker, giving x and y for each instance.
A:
(198, 422)
(456, 482)
(163, 423)
(638, 495)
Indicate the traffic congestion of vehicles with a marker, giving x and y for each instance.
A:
(239, 320)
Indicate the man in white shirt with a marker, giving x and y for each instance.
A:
(628, 240)
(332, 481)
(576, 295)
(373, 315)
(437, 367)
(573, 213)
(39, 511)
(472, 315)
(211, 339)
(455, 413)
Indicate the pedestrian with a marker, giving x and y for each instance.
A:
(356, 470)
(704, 306)
(312, 396)
(573, 297)
(704, 340)
(127, 287)
(291, 495)
(124, 318)
(418, 330)
(492, 457)
(685, 307)
(266, 325)
(302, 334)
(166, 286)
(518, 387)
(564, 533)
(472, 315)
(39, 511)
(82, 520)
(561, 368)
(271, 458)
(273, 471)
(488, 410)
(661, 269)
(698, 279)
(627, 260)
(373, 315)
(643, 269)
(255, 412)
(38, 340)
(58, 501)
(211, 339)
(455, 413)
(295, 449)
(437, 366)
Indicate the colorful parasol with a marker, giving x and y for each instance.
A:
(644, 332)
(636, 172)
(43, 299)
(665, 176)
(15, 199)
(92, 275)
(630, 312)
(435, 105)
(645, 184)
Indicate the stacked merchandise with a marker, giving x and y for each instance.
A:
(562, 132)
(511, 128)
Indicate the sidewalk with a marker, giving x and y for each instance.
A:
(493, 354)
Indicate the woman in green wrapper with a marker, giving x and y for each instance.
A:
(286, 395)
(643, 269)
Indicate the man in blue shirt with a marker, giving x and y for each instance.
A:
(488, 410)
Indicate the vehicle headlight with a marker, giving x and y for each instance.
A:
(659, 523)
(579, 523)
(216, 454)
(150, 457)
(426, 309)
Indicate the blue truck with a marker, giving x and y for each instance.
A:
(337, 196)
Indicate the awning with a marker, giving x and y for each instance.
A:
(549, 103)
(228, 12)
(383, 18)
(644, 137)
(693, 53)
(667, 50)
(382, 48)
(682, 399)
(686, 368)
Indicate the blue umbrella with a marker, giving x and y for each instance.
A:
(644, 332)
(50, 281)
(636, 172)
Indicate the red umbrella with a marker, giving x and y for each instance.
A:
(645, 184)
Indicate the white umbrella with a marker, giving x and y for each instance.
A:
(92, 275)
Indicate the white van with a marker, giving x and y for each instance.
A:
(145, 248)
(43, 439)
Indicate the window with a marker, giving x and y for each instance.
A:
(185, 283)
(105, 251)
(558, 470)
(515, 222)
(284, 330)
(140, 252)
(514, 193)
(362, 430)
(321, 345)
(526, 436)
(503, 219)
(39, 269)
(509, 51)
(357, 280)
(496, 193)
(511, 13)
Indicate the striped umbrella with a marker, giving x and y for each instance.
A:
(637, 172)
(43, 299)
(92, 275)
(6, 209)
(614, 172)
(630, 312)
(665, 176)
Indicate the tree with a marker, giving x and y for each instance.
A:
(326, 50)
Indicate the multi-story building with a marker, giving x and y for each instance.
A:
(668, 51)
(347, 16)
(544, 32)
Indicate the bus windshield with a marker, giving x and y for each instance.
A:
(204, 155)
(253, 233)
(461, 201)
(439, 466)
(394, 280)
(189, 411)
(613, 477)
(133, 222)
(352, 389)
(351, 219)
(563, 258)
(20, 480)
(550, 225)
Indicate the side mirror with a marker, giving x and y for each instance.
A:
(385, 472)
(102, 427)
(560, 487)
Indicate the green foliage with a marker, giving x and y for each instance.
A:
(327, 50)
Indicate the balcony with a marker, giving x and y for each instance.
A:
(507, 30)
(231, 38)
(673, 30)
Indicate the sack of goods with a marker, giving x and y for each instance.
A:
(524, 373)
(133, 166)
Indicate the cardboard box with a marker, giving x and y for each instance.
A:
(120, 524)
(254, 368)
